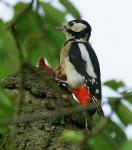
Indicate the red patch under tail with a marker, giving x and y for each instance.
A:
(82, 94)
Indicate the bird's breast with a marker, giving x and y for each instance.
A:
(74, 79)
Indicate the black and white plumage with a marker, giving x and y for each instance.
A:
(78, 60)
(84, 59)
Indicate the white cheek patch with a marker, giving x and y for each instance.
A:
(77, 27)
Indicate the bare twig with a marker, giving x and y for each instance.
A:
(21, 57)
(14, 33)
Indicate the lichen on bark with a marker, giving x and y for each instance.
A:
(40, 122)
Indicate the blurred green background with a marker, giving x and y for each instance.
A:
(35, 29)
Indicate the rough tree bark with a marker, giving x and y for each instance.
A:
(45, 112)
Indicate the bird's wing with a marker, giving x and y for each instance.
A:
(75, 58)
(80, 65)
(93, 58)
(96, 67)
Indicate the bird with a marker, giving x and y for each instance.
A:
(79, 66)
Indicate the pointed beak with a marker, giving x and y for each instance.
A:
(61, 28)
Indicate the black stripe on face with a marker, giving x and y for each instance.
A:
(81, 34)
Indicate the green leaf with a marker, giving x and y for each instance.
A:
(124, 113)
(41, 48)
(70, 8)
(96, 119)
(72, 136)
(114, 101)
(53, 44)
(127, 145)
(29, 31)
(8, 54)
(46, 43)
(3, 130)
(6, 110)
(19, 7)
(5, 105)
(127, 96)
(53, 16)
(2, 24)
(115, 85)
(114, 132)
(27, 24)
(111, 136)
(39, 37)
(99, 142)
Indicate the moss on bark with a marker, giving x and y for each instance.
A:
(41, 96)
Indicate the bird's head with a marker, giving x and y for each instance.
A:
(78, 29)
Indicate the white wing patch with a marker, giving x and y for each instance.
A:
(85, 56)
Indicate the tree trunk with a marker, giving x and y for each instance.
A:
(45, 112)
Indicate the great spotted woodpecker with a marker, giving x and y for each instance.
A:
(79, 64)
(79, 67)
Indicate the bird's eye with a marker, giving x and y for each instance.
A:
(71, 23)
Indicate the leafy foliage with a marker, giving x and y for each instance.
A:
(38, 37)
(70, 8)
(8, 53)
(115, 85)
(6, 108)
(127, 145)
(121, 110)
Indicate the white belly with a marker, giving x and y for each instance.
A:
(74, 79)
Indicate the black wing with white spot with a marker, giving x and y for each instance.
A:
(96, 66)
(94, 84)
(79, 63)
